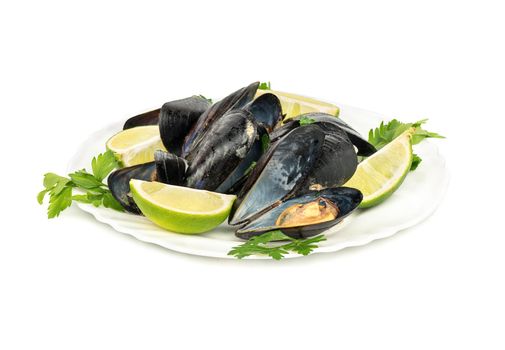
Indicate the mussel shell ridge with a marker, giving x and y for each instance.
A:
(225, 146)
(279, 173)
(346, 200)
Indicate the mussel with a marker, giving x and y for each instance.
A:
(329, 123)
(267, 111)
(147, 118)
(236, 100)
(166, 168)
(278, 173)
(309, 158)
(182, 111)
(306, 215)
(119, 183)
(176, 119)
(224, 153)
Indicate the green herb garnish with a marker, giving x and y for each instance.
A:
(96, 192)
(265, 142)
(385, 133)
(306, 120)
(260, 245)
(208, 99)
(264, 86)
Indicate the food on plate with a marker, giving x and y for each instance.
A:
(135, 146)
(379, 175)
(278, 166)
(294, 105)
(181, 209)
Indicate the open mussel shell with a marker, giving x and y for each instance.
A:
(236, 100)
(176, 119)
(224, 154)
(266, 110)
(166, 168)
(279, 173)
(296, 217)
(148, 118)
(119, 183)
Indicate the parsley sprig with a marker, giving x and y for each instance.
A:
(385, 133)
(91, 187)
(263, 245)
(264, 86)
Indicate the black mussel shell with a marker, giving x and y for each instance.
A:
(345, 199)
(148, 118)
(278, 173)
(177, 118)
(236, 100)
(336, 164)
(224, 149)
(119, 183)
(170, 168)
(329, 122)
(266, 110)
(166, 168)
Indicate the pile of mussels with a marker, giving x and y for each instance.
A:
(286, 176)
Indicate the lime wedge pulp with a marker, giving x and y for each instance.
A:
(136, 145)
(294, 105)
(181, 209)
(379, 175)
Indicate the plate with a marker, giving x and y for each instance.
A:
(414, 201)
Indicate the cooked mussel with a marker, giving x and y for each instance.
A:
(119, 183)
(225, 152)
(170, 169)
(307, 215)
(176, 119)
(329, 123)
(279, 173)
(236, 100)
(307, 158)
(166, 168)
(148, 118)
(266, 110)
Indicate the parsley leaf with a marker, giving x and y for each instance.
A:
(96, 192)
(265, 142)
(385, 133)
(265, 86)
(103, 164)
(306, 120)
(416, 160)
(260, 245)
(208, 99)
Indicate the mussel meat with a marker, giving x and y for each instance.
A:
(307, 215)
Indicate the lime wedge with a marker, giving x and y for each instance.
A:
(378, 176)
(181, 209)
(294, 105)
(136, 145)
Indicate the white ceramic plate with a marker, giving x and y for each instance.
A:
(417, 198)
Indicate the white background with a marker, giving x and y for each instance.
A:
(67, 69)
